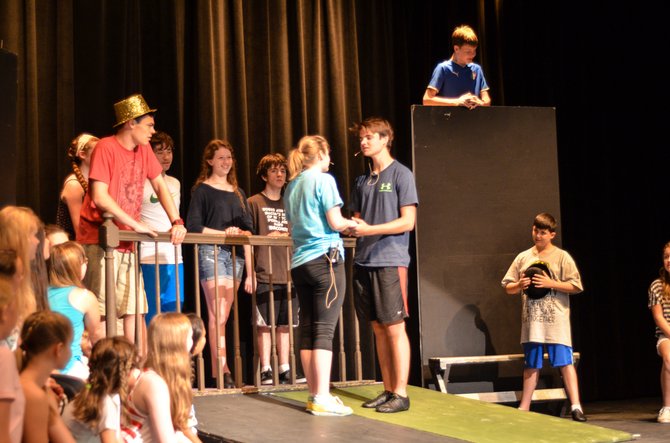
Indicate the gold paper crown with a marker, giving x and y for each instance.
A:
(130, 108)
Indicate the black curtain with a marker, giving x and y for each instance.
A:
(262, 73)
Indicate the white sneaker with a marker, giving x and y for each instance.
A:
(331, 406)
(664, 415)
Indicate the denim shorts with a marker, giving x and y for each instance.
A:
(224, 263)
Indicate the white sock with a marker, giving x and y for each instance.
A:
(284, 368)
(576, 406)
(266, 368)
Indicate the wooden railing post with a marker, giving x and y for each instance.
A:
(108, 237)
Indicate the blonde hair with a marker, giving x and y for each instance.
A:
(65, 264)
(306, 154)
(168, 356)
(111, 360)
(17, 226)
(464, 35)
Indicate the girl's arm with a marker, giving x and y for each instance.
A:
(248, 259)
(153, 396)
(92, 317)
(73, 195)
(659, 319)
(58, 431)
(337, 222)
(5, 410)
(36, 416)
(109, 436)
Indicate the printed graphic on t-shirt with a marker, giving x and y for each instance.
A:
(131, 189)
(154, 198)
(542, 310)
(385, 187)
(276, 218)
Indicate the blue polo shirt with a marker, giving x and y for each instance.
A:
(452, 80)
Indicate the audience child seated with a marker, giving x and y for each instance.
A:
(46, 337)
(67, 295)
(12, 400)
(95, 413)
(159, 399)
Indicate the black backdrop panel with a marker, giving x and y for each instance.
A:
(482, 176)
(8, 91)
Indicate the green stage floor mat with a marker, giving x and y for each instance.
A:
(470, 420)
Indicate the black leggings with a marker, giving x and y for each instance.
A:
(321, 286)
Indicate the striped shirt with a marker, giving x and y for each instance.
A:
(656, 298)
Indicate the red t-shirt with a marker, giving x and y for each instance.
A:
(124, 172)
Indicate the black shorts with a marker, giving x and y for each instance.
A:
(280, 302)
(380, 294)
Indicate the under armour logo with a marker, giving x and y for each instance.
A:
(385, 187)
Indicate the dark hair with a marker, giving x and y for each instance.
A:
(111, 360)
(545, 221)
(198, 328)
(41, 330)
(376, 125)
(8, 262)
(161, 138)
(270, 161)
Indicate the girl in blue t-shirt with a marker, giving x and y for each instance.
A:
(313, 207)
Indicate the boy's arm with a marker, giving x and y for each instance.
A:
(105, 202)
(544, 281)
(517, 287)
(485, 98)
(404, 223)
(430, 98)
(178, 231)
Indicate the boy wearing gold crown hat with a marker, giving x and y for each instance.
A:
(119, 167)
(546, 320)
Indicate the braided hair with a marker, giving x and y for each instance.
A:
(81, 143)
(112, 359)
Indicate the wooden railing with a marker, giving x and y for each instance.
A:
(110, 236)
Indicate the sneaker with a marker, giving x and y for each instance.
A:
(379, 400)
(664, 415)
(310, 403)
(266, 377)
(396, 403)
(331, 406)
(578, 415)
(285, 378)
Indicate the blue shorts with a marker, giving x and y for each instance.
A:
(559, 355)
(167, 278)
(224, 263)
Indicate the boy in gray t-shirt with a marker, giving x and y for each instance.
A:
(546, 309)
(384, 204)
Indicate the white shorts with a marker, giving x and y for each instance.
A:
(660, 340)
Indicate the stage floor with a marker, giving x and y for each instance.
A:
(281, 417)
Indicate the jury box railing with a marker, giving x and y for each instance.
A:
(110, 236)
